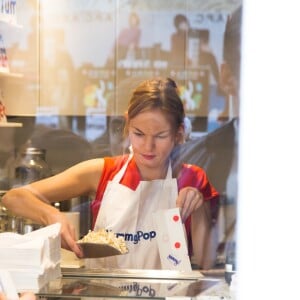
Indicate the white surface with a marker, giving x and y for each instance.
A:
(70, 260)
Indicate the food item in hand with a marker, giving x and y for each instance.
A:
(107, 238)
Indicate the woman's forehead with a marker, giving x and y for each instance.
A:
(154, 119)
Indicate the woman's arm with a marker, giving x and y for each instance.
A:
(32, 201)
(199, 199)
(205, 237)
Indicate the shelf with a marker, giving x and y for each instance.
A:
(10, 124)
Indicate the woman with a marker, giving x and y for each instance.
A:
(178, 54)
(129, 188)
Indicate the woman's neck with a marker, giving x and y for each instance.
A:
(153, 173)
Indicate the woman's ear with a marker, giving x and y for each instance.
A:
(126, 115)
(180, 135)
(187, 128)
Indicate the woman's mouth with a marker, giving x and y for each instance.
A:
(148, 156)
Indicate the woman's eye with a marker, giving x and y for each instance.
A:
(138, 134)
(162, 136)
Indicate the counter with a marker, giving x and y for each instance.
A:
(135, 284)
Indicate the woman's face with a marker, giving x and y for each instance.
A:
(152, 138)
(183, 26)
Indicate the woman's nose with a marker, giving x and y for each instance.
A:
(149, 143)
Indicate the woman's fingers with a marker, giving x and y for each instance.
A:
(68, 240)
(68, 236)
(189, 199)
(70, 244)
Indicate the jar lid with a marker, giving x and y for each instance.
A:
(34, 150)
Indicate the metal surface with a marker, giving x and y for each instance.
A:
(96, 250)
(131, 273)
(130, 284)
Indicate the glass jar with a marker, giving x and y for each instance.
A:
(30, 166)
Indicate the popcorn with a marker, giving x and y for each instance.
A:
(105, 237)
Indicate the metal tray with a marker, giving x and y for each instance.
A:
(95, 250)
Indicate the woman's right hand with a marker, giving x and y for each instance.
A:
(68, 236)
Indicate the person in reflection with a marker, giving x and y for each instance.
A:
(127, 42)
(129, 38)
(129, 188)
(206, 56)
(230, 68)
(178, 54)
(230, 84)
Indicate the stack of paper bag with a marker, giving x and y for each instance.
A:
(33, 259)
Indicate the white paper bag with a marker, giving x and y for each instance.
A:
(171, 240)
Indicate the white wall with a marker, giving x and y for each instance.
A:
(269, 220)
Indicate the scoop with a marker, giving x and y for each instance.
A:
(96, 250)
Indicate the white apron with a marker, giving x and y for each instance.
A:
(129, 213)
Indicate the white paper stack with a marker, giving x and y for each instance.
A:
(33, 259)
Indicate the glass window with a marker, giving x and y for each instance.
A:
(80, 61)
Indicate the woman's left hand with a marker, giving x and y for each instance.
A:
(189, 199)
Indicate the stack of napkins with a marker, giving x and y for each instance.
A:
(33, 259)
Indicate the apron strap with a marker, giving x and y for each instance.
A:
(169, 173)
(117, 178)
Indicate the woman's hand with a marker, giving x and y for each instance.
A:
(68, 237)
(189, 199)
(27, 296)
(23, 296)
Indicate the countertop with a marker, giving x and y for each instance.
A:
(136, 284)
